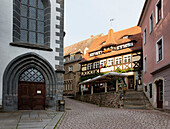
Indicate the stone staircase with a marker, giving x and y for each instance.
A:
(136, 100)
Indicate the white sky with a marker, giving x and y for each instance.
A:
(84, 18)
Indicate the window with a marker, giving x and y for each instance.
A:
(30, 20)
(95, 65)
(159, 11)
(70, 84)
(146, 88)
(150, 87)
(72, 57)
(144, 36)
(118, 60)
(103, 42)
(127, 59)
(103, 63)
(151, 22)
(119, 47)
(110, 62)
(89, 66)
(70, 68)
(124, 37)
(32, 75)
(64, 88)
(145, 64)
(159, 50)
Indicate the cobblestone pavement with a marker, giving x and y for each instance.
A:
(81, 115)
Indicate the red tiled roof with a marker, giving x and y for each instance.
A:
(80, 46)
(116, 39)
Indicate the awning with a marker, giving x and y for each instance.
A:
(105, 78)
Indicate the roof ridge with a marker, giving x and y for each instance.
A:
(84, 40)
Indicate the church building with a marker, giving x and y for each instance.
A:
(31, 68)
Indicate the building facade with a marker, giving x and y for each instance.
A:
(72, 56)
(31, 70)
(155, 24)
(116, 52)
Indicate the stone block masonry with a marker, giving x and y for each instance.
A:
(109, 99)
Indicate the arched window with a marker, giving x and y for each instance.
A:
(31, 22)
(31, 75)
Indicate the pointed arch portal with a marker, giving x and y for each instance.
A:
(29, 73)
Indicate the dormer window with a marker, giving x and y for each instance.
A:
(111, 47)
(124, 37)
(72, 57)
(104, 42)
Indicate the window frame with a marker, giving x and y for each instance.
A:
(110, 62)
(144, 36)
(151, 23)
(119, 60)
(36, 20)
(70, 68)
(103, 62)
(145, 64)
(127, 58)
(157, 13)
(40, 42)
(157, 50)
(96, 65)
(89, 66)
(72, 57)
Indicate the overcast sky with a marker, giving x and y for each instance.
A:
(84, 18)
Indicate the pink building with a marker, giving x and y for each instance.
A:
(155, 24)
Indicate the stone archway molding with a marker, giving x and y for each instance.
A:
(13, 71)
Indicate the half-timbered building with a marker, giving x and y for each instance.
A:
(118, 52)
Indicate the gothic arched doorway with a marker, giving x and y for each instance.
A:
(31, 90)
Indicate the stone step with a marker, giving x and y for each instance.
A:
(135, 98)
(134, 93)
(134, 106)
(134, 102)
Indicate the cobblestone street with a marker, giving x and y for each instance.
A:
(81, 115)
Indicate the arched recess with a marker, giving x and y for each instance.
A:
(13, 72)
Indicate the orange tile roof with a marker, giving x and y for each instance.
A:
(80, 46)
(116, 39)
